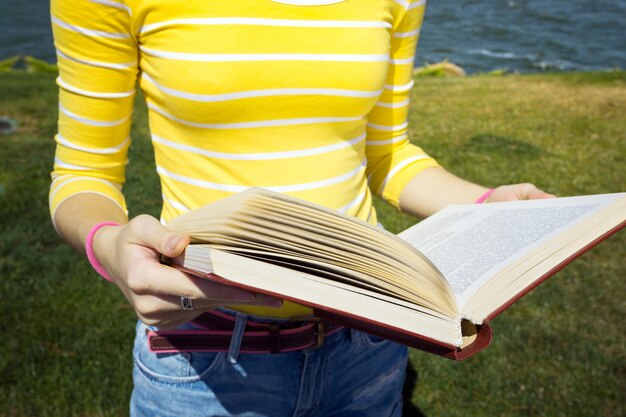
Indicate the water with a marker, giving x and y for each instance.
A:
(479, 35)
(525, 35)
(25, 29)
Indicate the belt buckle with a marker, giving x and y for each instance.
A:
(320, 328)
(319, 334)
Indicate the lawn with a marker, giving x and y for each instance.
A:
(66, 334)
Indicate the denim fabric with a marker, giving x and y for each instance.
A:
(352, 374)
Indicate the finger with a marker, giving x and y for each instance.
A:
(540, 194)
(522, 191)
(504, 193)
(168, 311)
(150, 305)
(164, 305)
(174, 320)
(171, 319)
(164, 312)
(149, 277)
(529, 191)
(147, 231)
(514, 192)
(173, 324)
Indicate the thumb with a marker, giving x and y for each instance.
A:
(173, 243)
(148, 231)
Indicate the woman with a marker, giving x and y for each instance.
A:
(303, 97)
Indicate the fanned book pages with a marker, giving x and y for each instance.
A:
(435, 286)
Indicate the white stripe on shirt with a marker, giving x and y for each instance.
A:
(183, 56)
(358, 200)
(111, 65)
(113, 4)
(386, 142)
(233, 188)
(398, 105)
(237, 95)
(388, 128)
(257, 21)
(398, 167)
(254, 124)
(403, 3)
(417, 4)
(94, 94)
(308, 2)
(258, 156)
(90, 121)
(60, 164)
(99, 151)
(402, 61)
(406, 34)
(399, 88)
(176, 204)
(88, 32)
(68, 179)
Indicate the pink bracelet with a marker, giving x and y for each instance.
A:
(90, 253)
(485, 196)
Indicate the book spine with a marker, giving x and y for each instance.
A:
(482, 341)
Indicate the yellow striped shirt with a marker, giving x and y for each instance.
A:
(304, 97)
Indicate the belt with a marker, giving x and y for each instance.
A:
(216, 331)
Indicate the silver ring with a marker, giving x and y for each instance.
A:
(186, 303)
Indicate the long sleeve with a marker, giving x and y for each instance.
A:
(392, 159)
(97, 58)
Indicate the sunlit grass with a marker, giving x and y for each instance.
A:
(66, 335)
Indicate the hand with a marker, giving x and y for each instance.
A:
(131, 254)
(515, 192)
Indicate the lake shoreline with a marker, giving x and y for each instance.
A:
(534, 36)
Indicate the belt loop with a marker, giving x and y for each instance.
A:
(274, 336)
(235, 341)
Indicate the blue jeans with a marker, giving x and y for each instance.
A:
(351, 374)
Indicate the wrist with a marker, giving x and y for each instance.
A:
(483, 198)
(91, 254)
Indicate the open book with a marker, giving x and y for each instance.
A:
(435, 286)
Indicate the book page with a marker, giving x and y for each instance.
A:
(469, 244)
(319, 291)
(287, 228)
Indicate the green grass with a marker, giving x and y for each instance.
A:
(65, 335)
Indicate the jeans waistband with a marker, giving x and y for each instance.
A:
(220, 331)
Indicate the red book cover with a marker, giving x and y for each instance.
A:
(483, 336)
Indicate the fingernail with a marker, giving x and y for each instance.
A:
(244, 297)
(172, 242)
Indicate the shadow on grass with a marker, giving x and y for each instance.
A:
(410, 384)
(502, 145)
